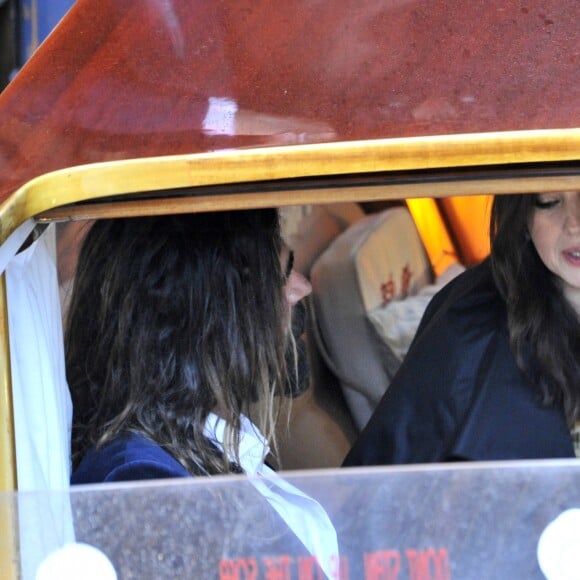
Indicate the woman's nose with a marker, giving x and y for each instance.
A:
(297, 287)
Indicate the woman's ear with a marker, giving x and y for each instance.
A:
(296, 288)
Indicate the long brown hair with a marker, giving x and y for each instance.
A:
(540, 320)
(172, 317)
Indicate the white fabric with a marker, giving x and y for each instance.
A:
(304, 515)
(397, 322)
(42, 405)
(14, 242)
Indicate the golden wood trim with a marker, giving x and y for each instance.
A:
(8, 478)
(135, 208)
(9, 559)
(91, 182)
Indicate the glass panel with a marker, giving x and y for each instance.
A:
(455, 521)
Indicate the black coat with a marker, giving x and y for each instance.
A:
(458, 394)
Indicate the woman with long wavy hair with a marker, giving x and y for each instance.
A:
(179, 349)
(494, 370)
(175, 323)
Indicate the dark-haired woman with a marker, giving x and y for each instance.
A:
(177, 345)
(494, 370)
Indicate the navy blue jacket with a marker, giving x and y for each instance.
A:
(130, 457)
(458, 394)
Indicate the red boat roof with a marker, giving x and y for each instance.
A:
(126, 79)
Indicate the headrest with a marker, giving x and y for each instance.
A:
(389, 258)
(378, 259)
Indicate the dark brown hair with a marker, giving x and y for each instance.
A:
(541, 321)
(171, 317)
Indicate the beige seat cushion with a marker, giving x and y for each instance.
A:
(378, 259)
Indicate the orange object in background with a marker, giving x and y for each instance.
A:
(467, 219)
(434, 235)
(453, 229)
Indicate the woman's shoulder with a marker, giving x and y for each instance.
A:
(472, 287)
(459, 324)
(470, 298)
(129, 457)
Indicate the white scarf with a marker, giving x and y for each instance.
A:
(304, 516)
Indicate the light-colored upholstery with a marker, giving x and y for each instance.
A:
(377, 260)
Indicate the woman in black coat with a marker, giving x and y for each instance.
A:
(494, 370)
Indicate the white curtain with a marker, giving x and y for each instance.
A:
(42, 405)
